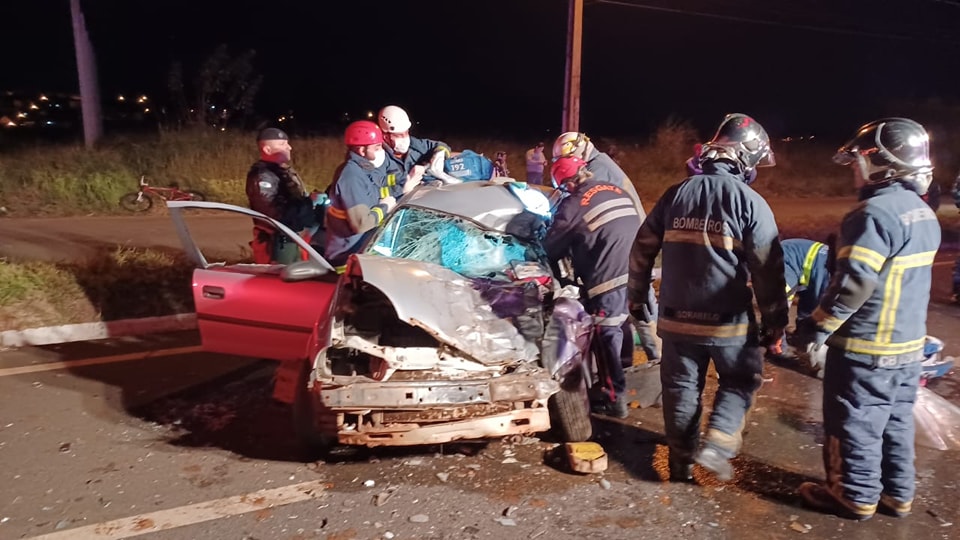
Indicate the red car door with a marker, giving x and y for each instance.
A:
(248, 309)
(248, 312)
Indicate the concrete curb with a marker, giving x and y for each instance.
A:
(50, 335)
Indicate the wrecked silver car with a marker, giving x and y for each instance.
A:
(448, 324)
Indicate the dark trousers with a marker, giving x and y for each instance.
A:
(683, 372)
(868, 422)
(610, 314)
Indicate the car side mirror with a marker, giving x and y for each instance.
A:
(302, 271)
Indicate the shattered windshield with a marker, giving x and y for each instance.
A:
(449, 241)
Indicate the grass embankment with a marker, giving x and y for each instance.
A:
(120, 284)
(69, 180)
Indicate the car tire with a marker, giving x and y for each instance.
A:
(311, 439)
(570, 411)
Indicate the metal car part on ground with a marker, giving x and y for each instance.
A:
(401, 349)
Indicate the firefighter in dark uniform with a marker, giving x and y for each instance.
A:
(594, 226)
(408, 157)
(873, 317)
(275, 189)
(716, 234)
(359, 197)
(605, 169)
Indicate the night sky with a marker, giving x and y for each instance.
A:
(496, 66)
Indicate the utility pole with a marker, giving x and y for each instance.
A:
(571, 89)
(87, 73)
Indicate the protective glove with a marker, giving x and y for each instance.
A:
(389, 202)
(809, 336)
(436, 168)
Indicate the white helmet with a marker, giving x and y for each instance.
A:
(393, 119)
(569, 144)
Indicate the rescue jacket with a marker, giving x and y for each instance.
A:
(605, 169)
(278, 192)
(398, 167)
(716, 234)
(805, 265)
(876, 303)
(355, 207)
(595, 226)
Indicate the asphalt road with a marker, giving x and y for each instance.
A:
(99, 441)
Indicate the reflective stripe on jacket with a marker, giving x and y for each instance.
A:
(716, 235)
(877, 300)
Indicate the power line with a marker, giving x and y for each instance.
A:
(735, 18)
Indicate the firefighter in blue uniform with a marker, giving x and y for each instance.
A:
(806, 274)
(873, 317)
(716, 234)
(594, 226)
(359, 197)
(605, 169)
(409, 157)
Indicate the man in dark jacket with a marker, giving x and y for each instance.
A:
(275, 189)
(409, 158)
(594, 226)
(605, 169)
(873, 317)
(716, 235)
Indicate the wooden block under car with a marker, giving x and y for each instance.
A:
(586, 457)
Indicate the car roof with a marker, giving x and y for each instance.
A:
(490, 204)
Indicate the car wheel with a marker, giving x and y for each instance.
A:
(311, 439)
(570, 411)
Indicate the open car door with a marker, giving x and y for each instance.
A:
(256, 310)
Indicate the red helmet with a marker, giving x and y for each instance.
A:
(564, 169)
(362, 133)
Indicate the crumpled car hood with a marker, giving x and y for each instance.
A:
(446, 305)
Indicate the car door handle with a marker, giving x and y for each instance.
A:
(214, 293)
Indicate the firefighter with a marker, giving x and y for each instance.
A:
(715, 234)
(605, 169)
(806, 274)
(873, 318)
(594, 226)
(409, 157)
(275, 189)
(360, 197)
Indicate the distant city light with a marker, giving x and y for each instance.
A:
(146, 110)
(142, 99)
(11, 123)
(33, 106)
(21, 115)
(44, 98)
(121, 98)
(369, 114)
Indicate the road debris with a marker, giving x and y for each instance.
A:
(506, 522)
(443, 476)
(586, 457)
(800, 528)
(940, 520)
(419, 518)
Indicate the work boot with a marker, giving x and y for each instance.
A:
(616, 408)
(681, 471)
(710, 458)
(893, 507)
(821, 498)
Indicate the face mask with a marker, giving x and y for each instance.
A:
(401, 145)
(379, 157)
